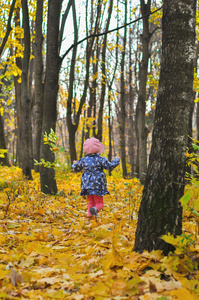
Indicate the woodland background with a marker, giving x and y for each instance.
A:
(107, 84)
(100, 82)
(104, 78)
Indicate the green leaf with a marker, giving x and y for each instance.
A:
(195, 213)
(195, 147)
(185, 199)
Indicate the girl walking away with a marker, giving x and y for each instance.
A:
(93, 180)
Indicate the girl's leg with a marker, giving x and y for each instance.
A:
(91, 203)
(99, 202)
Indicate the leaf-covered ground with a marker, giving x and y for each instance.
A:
(50, 250)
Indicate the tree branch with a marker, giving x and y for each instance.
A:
(63, 23)
(109, 31)
(9, 28)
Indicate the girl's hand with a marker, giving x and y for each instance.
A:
(74, 161)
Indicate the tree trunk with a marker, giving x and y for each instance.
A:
(123, 99)
(103, 80)
(94, 86)
(17, 86)
(131, 135)
(25, 100)
(3, 160)
(160, 211)
(39, 93)
(72, 128)
(131, 126)
(53, 63)
(92, 92)
(109, 128)
(141, 105)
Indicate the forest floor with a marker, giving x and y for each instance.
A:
(49, 249)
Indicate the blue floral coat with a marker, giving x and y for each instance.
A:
(93, 180)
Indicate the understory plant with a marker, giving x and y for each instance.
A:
(60, 164)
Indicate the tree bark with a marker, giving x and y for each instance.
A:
(53, 63)
(72, 127)
(92, 87)
(110, 117)
(123, 98)
(103, 80)
(18, 108)
(141, 105)
(25, 100)
(3, 160)
(160, 211)
(39, 90)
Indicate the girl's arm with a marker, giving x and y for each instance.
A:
(77, 166)
(110, 165)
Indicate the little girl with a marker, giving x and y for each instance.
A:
(93, 180)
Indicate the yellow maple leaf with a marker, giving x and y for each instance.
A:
(183, 294)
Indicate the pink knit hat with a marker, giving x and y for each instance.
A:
(93, 145)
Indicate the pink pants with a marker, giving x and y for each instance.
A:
(94, 200)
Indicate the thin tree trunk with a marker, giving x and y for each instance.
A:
(160, 210)
(91, 92)
(141, 106)
(109, 128)
(103, 80)
(131, 131)
(72, 128)
(123, 98)
(3, 160)
(25, 100)
(53, 64)
(17, 85)
(94, 86)
(39, 93)
(110, 119)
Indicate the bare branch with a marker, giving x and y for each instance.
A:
(106, 32)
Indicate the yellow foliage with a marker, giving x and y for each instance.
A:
(1, 111)
(49, 250)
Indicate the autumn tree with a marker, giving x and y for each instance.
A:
(9, 27)
(16, 52)
(103, 70)
(160, 211)
(92, 95)
(3, 150)
(39, 86)
(142, 131)
(51, 86)
(73, 116)
(55, 31)
(123, 98)
(25, 97)
(4, 156)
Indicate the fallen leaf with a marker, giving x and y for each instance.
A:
(16, 278)
(183, 294)
(152, 287)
